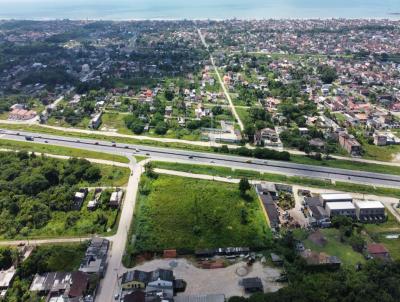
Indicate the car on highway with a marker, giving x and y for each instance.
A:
(148, 154)
(248, 161)
(126, 147)
(213, 162)
(96, 143)
(46, 142)
(29, 138)
(190, 157)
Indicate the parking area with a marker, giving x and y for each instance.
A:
(217, 281)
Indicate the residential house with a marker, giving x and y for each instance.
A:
(267, 137)
(317, 144)
(92, 204)
(61, 284)
(116, 198)
(135, 296)
(95, 122)
(79, 198)
(6, 276)
(135, 279)
(160, 280)
(317, 259)
(95, 260)
(21, 115)
(378, 251)
(350, 144)
(168, 111)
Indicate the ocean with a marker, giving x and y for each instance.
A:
(200, 9)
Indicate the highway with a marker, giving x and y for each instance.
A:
(175, 155)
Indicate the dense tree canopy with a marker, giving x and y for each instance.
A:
(31, 187)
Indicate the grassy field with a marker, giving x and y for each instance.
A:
(112, 176)
(186, 214)
(61, 257)
(243, 113)
(384, 153)
(335, 247)
(58, 150)
(114, 120)
(310, 182)
(378, 233)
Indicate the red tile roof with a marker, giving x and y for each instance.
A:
(376, 248)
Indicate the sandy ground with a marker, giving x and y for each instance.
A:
(216, 281)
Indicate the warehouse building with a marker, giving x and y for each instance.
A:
(370, 211)
(343, 208)
(335, 197)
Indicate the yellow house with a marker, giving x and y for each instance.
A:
(135, 279)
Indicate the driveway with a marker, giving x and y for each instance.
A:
(216, 281)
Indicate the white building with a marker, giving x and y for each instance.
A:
(335, 197)
(343, 208)
(370, 210)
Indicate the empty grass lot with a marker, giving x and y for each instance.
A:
(335, 247)
(186, 214)
(378, 233)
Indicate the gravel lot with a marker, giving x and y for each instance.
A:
(216, 281)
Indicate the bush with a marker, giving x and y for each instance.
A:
(161, 128)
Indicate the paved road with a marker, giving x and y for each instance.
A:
(43, 241)
(226, 92)
(107, 287)
(174, 155)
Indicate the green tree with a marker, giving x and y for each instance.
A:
(161, 128)
(169, 95)
(244, 186)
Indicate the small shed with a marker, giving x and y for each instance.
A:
(115, 199)
(252, 285)
(276, 259)
(169, 254)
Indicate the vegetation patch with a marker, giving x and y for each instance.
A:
(187, 214)
(37, 196)
(58, 150)
(334, 246)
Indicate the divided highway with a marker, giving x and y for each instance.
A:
(175, 155)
